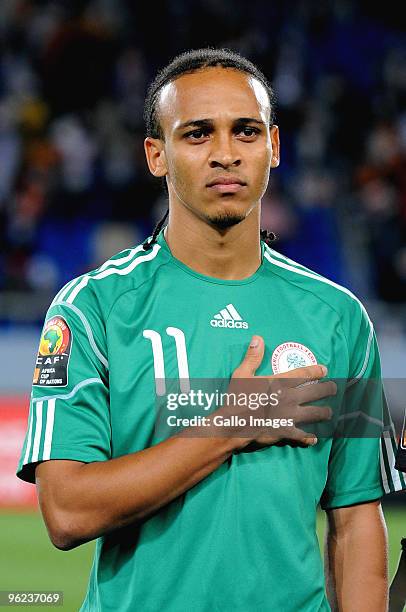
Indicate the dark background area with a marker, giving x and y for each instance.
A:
(74, 186)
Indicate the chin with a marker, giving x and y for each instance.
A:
(225, 219)
(228, 214)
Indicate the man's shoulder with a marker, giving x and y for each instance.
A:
(101, 287)
(314, 285)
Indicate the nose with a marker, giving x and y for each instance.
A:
(223, 153)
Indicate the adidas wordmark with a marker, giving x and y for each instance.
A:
(230, 318)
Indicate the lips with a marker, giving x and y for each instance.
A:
(226, 180)
(226, 184)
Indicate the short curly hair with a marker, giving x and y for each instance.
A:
(193, 61)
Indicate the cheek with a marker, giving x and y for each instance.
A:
(260, 163)
(184, 170)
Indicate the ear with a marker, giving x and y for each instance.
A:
(156, 158)
(274, 133)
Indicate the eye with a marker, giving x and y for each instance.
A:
(248, 131)
(197, 134)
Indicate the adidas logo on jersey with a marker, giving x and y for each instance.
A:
(228, 317)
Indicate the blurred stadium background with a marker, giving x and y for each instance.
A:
(74, 186)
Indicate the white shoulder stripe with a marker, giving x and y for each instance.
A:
(65, 289)
(38, 429)
(321, 279)
(366, 360)
(392, 472)
(29, 437)
(384, 477)
(121, 260)
(49, 429)
(107, 264)
(280, 257)
(47, 418)
(364, 366)
(109, 271)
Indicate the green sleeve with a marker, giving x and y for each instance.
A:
(69, 414)
(361, 463)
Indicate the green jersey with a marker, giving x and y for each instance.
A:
(244, 538)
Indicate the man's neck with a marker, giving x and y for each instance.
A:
(233, 254)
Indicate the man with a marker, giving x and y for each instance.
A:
(207, 522)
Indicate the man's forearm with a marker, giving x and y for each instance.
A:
(356, 559)
(102, 496)
(82, 501)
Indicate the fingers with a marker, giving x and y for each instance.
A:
(293, 437)
(313, 372)
(299, 376)
(313, 414)
(301, 438)
(252, 360)
(312, 393)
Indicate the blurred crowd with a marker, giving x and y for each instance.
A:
(74, 186)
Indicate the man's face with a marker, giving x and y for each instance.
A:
(218, 148)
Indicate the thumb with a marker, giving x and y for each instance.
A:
(253, 357)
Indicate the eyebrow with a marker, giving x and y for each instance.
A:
(209, 122)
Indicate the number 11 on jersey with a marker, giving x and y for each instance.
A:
(159, 362)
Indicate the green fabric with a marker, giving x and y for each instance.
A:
(244, 538)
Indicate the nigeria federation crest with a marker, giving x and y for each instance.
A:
(291, 355)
